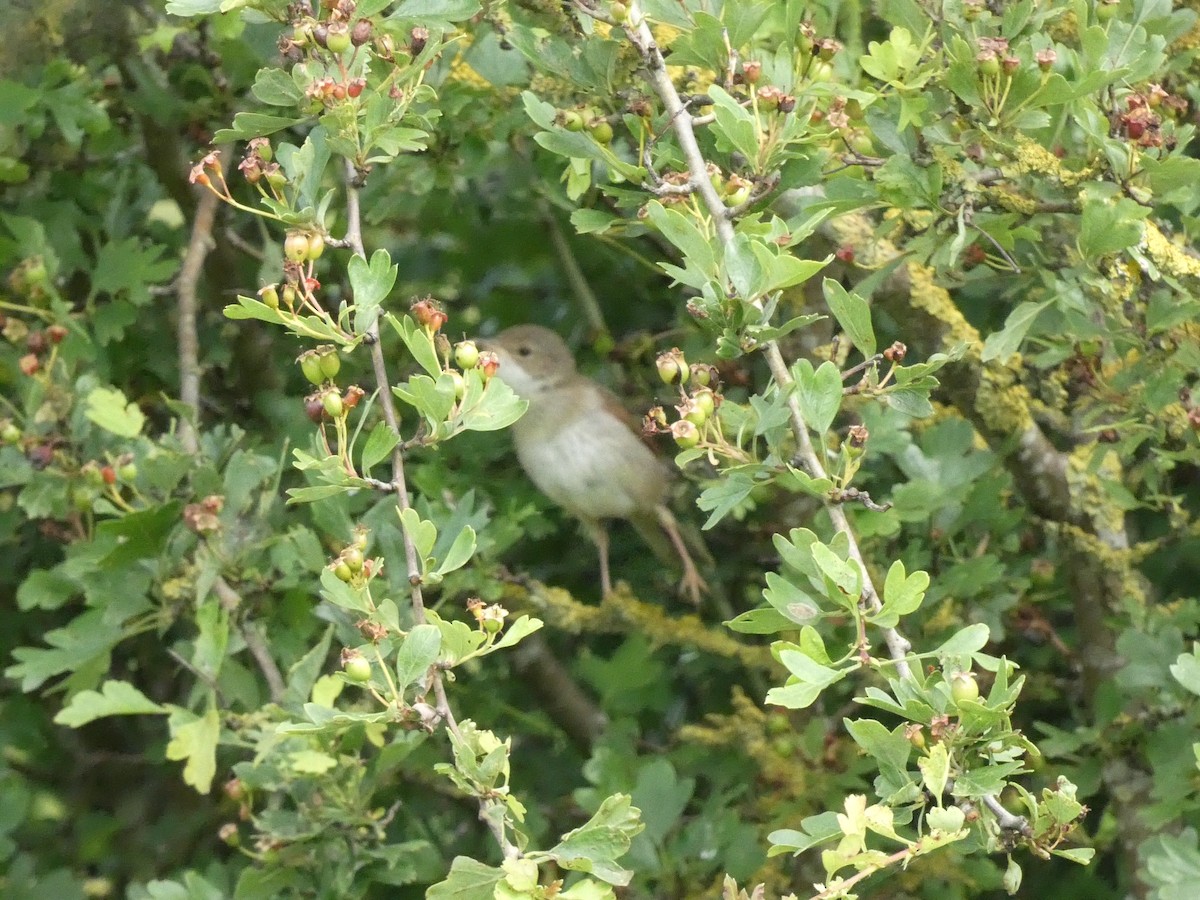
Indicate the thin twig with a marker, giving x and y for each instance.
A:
(583, 292)
(185, 330)
(412, 560)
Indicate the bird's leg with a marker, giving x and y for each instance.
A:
(692, 585)
(599, 536)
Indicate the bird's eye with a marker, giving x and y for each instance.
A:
(524, 351)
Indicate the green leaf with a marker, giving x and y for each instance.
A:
(46, 589)
(842, 572)
(421, 532)
(819, 393)
(935, 770)
(947, 819)
(967, 640)
(380, 443)
(902, 594)
(468, 880)
(1186, 669)
(789, 600)
(275, 87)
(734, 125)
(486, 406)
(418, 652)
(436, 10)
(418, 342)
(808, 679)
(743, 269)
(1002, 344)
(594, 221)
(814, 830)
(1084, 855)
(460, 552)
(684, 234)
(370, 283)
(1109, 224)
(139, 535)
(767, 620)
(115, 698)
(304, 674)
(729, 493)
(109, 409)
(571, 144)
(89, 637)
(248, 125)
(341, 594)
(853, 313)
(891, 748)
(517, 632)
(193, 7)
(595, 846)
(194, 738)
(788, 271)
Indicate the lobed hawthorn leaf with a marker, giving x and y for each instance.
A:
(370, 283)
(115, 698)
(467, 880)
(109, 409)
(194, 739)
(595, 846)
(819, 393)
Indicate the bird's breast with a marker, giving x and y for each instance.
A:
(587, 461)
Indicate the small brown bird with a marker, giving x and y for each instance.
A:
(580, 447)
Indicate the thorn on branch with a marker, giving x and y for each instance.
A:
(854, 495)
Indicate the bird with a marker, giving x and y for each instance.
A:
(580, 447)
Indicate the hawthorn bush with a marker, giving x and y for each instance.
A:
(286, 620)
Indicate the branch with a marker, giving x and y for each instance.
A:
(412, 561)
(683, 125)
(185, 330)
(583, 292)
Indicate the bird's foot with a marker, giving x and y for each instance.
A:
(692, 585)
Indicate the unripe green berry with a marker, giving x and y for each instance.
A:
(672, 367)
(295, 246)
(332, 401)
(964, 687)
(316, 245)
(358, 669)
(353, 557)
(270, 296)
(329, 361)
(338, 37)
(310, 365)
(706, 401)
(570, 119)
(686, 434)
(460, 384)
(693, 412)
(342, 572)
(10, 433)
(466, 355)
(600, 130)
(127, 472)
